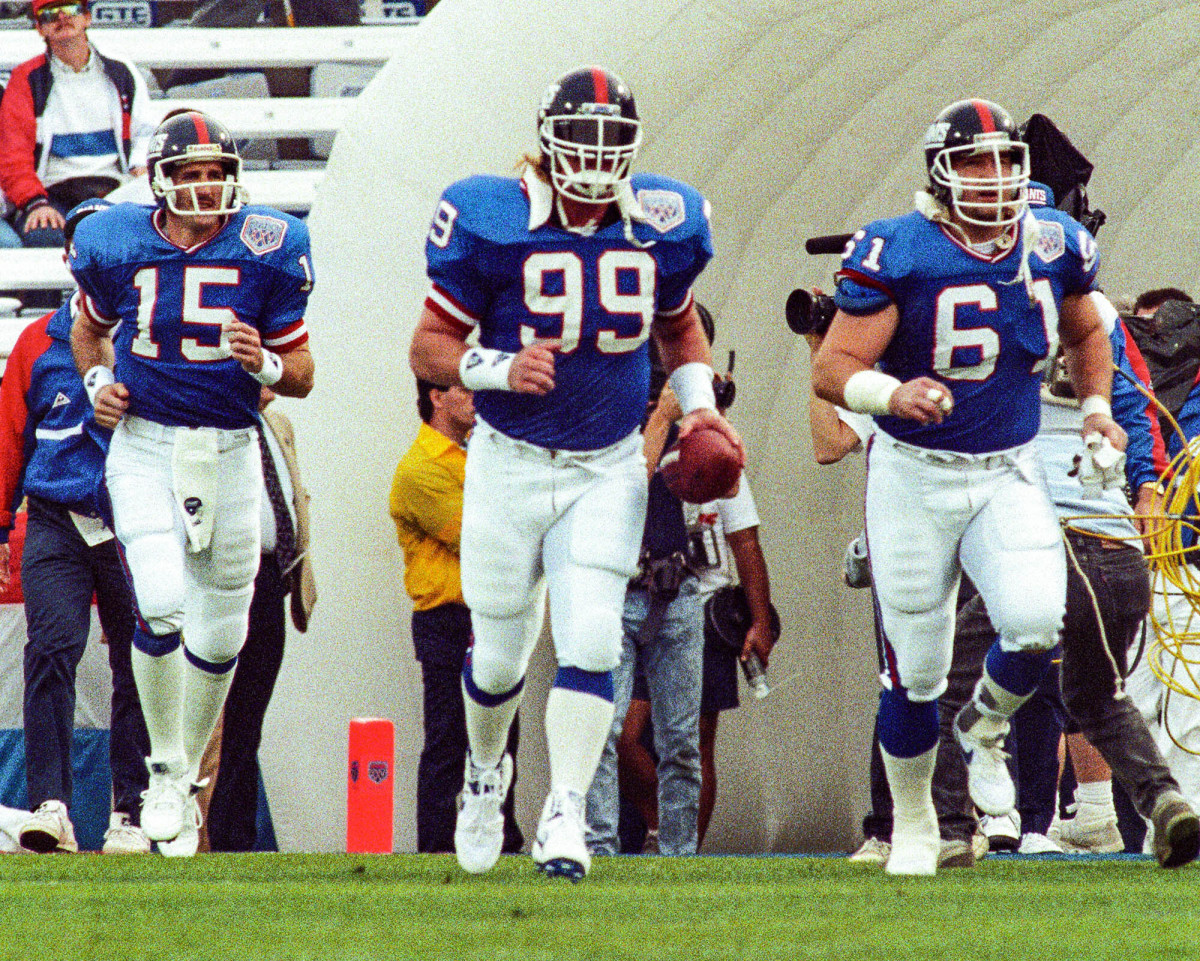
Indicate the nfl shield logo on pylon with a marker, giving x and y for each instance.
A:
(354, 772)
(377, 771)
(263, 234)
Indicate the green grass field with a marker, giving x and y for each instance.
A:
(298, 907)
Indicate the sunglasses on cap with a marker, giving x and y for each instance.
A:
(48, 15)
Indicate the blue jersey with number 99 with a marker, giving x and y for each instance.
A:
(967, 320)
(498, 262)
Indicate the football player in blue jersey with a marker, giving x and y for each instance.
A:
(946, 317)
(564, 273)
(206, 297)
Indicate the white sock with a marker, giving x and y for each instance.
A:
(577, 726)
(1094, 800)
(203, 698)
(160, 689)
(911, 782)
(487, 727)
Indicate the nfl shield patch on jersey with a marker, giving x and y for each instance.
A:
(1051, 244)
(664, 209)
(263, 234)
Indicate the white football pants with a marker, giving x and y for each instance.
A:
(932, 515)
(534, 519)
(205, 594)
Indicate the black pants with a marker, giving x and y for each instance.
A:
(59, 575)
(233, 810)
(441, 637)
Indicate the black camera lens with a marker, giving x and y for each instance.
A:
(809, 313)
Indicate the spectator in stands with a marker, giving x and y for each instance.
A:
(285, 569)
(426, 504)
(52, 451)
(74, 124)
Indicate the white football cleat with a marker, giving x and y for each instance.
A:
(559, 850)
(49, 830)
(916, 844)
(165, 800)
(187, 841)
(124, 837)
(988, 781)
(479, 829)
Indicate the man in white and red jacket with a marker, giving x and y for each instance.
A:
(74, 124)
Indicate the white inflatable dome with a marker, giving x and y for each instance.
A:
(795, 118)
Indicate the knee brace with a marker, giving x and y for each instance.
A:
(217, 631)
(155, 568)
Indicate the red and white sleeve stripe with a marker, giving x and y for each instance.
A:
(449, 309)
(83, 306)
(291, 337)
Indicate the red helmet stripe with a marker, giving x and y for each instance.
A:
(600, 83)
(201, 128)
(986, 121)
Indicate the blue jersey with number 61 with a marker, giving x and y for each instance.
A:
(172, 305)
(498, 262)
(967, 320)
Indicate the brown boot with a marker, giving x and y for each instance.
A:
(1176, 830)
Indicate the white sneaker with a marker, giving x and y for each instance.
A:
(1091, 835)
(187, 841)
(559, 849)
(164, 801)
(1003, 833)
(873, 851)
(479, 829)
(124, 837)
(988, 781)
(1034, 843)
(49, 829)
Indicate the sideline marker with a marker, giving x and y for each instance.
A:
(369, 786)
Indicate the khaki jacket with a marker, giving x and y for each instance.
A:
(300, 579)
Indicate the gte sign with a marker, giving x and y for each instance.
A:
(122, 13)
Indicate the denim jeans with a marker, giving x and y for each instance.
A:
(672, 661)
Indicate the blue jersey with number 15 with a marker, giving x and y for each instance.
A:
(967, 320)
(172, 305)
(522, 283)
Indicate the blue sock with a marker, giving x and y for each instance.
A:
(906, 728)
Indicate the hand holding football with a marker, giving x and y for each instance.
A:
(702, 467)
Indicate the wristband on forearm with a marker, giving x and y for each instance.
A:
(484, 368)
(99, 376)
(272, 369)
(693, 387)
(1095, 404)
(870, 392)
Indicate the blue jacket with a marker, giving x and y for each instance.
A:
(50, 444)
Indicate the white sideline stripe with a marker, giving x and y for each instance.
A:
(45, 433)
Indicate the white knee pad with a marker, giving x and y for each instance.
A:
(921, 644)
(586, 604)
(155, 564)
(217, 623)
(502, 648)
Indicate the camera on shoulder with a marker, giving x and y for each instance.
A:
(809, 313)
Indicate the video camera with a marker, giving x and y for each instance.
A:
(809, 313)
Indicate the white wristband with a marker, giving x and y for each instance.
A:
(484, 368)
(99, 376)
(869, 392)
(1095, 405)
(272, 369)
(693, 387)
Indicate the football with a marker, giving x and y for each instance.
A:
(702, 467)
